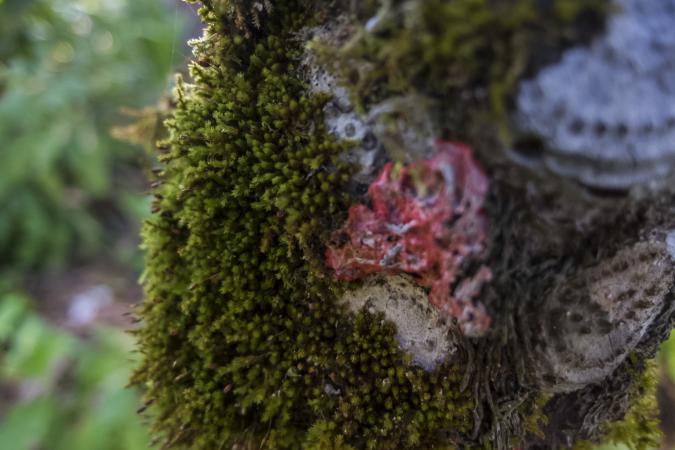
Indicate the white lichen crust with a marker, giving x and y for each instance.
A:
(341, 119)
(421, 332)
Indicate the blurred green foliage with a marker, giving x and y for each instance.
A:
(66, 69)
(71, 392)
(668, 356)
(68, 192)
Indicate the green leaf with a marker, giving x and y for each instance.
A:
(26, 425)
(34, 350)
(12, 309)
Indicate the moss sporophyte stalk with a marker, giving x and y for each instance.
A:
(247, 341)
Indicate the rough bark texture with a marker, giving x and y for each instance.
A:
(252, 340)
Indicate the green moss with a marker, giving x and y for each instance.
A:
(534, 417)
(322, 436)
(466, 54)
(639, 428)
(243, 341)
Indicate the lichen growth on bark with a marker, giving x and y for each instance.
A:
(467, 55)
(246, 342)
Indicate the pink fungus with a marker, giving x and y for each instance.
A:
(426, 220)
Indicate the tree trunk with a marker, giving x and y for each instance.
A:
(329, 268)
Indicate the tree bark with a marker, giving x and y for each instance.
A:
(575, 245)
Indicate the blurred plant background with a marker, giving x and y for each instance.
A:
(73, 75)
(71, 392)
(66, 69)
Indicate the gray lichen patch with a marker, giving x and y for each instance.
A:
(398, 128)
(339, 113)
(670, 244)
(600, 315)
(346, 125)
(405, 126)
(420, 330)
(605, 114)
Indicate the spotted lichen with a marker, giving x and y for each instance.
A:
(467, 55)
(244, 343)
(608, 136)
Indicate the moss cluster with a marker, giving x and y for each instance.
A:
(247, 15)
(639, 427)
(462, 53)
(244, 345)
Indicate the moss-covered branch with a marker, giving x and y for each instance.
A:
(251, 341)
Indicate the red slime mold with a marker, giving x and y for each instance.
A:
(426, 220)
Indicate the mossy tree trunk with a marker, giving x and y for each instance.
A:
(251, 340)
